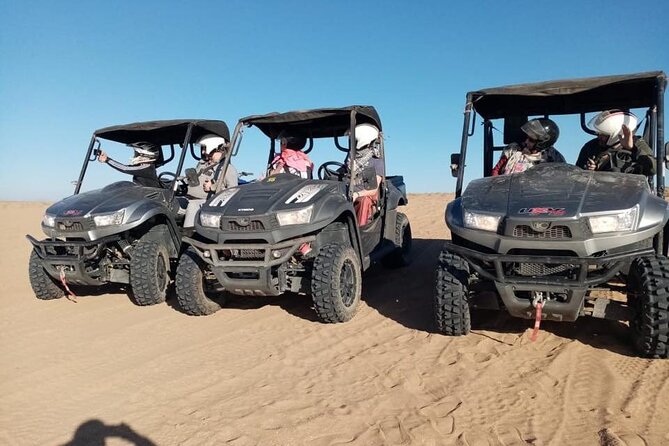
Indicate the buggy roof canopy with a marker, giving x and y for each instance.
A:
(163, 132)
(316, 123)
(570, 96)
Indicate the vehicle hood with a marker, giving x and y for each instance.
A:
(111, 198)
(275, 193)
(555, 189)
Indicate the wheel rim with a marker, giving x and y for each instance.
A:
(347, 283)
(161, 272)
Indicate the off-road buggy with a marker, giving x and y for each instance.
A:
(123, 233)
(284, 233)
(544, 243)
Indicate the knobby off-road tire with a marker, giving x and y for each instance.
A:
(648, 295)
(451, 305)
(149, 271)
(336, 283)
(44, 287)
(400, 256)
(190, 286)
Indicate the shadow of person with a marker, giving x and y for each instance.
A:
(95, 432)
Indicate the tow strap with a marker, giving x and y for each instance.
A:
(537, 322)
(70, 295)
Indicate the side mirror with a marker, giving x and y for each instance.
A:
(666, 155)
(191, 177)
(455, 164)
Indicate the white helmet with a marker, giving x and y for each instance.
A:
(211, 142)
(365, 134)
(610, 123)
(145, 152)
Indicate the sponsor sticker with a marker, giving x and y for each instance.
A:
(543, 211)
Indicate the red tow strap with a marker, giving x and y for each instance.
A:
(70, 294)
(537, 322)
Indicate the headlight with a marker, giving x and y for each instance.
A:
(49, 220)
(297, 217)
(620, 221)
(222, 198)
(115, 218)
(210, 220)
(481, 221)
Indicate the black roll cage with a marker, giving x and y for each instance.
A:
(238, 134)
(655, 115)
(91, 156)
(167, 134)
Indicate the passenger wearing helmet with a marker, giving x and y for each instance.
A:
(541, 134)
(212, 151)
(616, 148)
(368, 172)
(291, 159)
(142, 166)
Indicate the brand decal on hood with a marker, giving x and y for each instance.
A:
(306, 193)
(542, 211)
(72, 212)
(245, 209)
(222, 198)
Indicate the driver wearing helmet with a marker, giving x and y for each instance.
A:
(615, 132)
(212, 151)
(366, 191)
(541, 134)
(142, 166)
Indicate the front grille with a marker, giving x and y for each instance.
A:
(542, 269)
(554, 232)
(70, 226)
(254, 225)
(248, 254)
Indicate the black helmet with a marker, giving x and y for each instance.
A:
(544, 131)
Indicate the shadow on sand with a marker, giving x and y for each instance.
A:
(95, 433)
(295, 304)
(405, 295)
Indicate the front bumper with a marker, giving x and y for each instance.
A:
(514, 289)
(249, 268)
(78, 259)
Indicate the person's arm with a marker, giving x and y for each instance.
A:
(643, 154)
(641, 151)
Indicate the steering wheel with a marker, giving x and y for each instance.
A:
(166, 178)
(326, 171)
(618, 160)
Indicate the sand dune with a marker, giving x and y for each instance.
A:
(264, 371)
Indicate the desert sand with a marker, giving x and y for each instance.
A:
(264, 371)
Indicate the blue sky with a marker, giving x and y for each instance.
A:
(67, 68)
